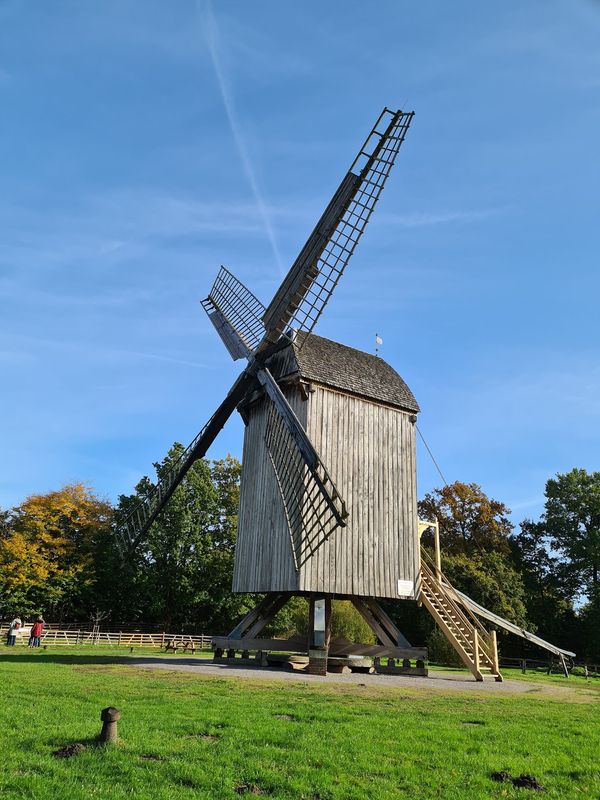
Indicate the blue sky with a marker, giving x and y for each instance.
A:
(143, 144)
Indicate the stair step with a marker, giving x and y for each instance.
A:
(459, 627)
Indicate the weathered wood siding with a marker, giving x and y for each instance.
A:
(369, 450)
(263, 554)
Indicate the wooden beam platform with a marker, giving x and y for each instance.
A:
(337, 648)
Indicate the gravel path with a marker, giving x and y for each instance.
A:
(436, 681)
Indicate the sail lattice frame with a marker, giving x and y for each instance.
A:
(313, 507)
(373, 165)
(240, 308)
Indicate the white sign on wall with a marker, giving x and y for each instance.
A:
(406, 588)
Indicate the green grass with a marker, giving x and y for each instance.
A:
(186, 736)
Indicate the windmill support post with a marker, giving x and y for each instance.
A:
(319, 634)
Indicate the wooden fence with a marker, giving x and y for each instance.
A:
(550, 666)
(112, 639)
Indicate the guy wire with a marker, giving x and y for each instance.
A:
(431, 455)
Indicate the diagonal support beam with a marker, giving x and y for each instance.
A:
(260, 616)
(379, 622)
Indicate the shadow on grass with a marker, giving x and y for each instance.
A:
(133, 660)
(62, 658)
(129, 660)
(104, 659)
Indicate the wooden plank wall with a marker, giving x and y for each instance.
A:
(263, 554)
(369, 450)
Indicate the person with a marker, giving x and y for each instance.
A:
(11, 636)
(36, 632)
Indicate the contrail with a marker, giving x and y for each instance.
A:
(212, 39)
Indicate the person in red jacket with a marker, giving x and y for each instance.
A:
(36, 632)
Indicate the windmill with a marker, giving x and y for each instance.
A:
(328, 491)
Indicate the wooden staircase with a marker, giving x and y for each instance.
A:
(475, 645)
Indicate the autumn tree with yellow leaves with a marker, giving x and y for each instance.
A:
(48, 549)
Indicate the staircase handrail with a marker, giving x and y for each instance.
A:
(484, 637)
(444, 582)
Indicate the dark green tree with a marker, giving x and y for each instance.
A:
(559, 558)
(589, 623)
(548, 595)
(180, 576)
(571, 520)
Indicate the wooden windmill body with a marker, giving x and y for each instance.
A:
(360, 415)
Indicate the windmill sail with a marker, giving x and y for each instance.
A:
(236, 314)
(145, 511)
(313, 506)
(250, 331)
(314, 275)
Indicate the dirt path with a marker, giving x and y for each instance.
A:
(436, 681)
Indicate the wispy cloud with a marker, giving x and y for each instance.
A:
(211, 32)
(118, 225)
(34, 346)
(531, 502)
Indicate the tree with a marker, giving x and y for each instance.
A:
(559, 558)
(47, 550)
(476, 554)
(5, 528)
(181, 575)
(572, 522)
(292, 620)
(548, 596)
(469, 520)
(589, 619)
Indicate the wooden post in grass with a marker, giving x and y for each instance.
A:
(109, 718)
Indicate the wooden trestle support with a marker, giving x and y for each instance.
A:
(325, 654)
(475, 645)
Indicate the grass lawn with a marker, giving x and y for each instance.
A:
(185, 736)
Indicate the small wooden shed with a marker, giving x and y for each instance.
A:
(361, 416)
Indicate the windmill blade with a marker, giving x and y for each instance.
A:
(139, 520)
(313, 506)
(236, 314)
(302, 296)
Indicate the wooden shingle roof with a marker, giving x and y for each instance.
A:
(315, 359)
